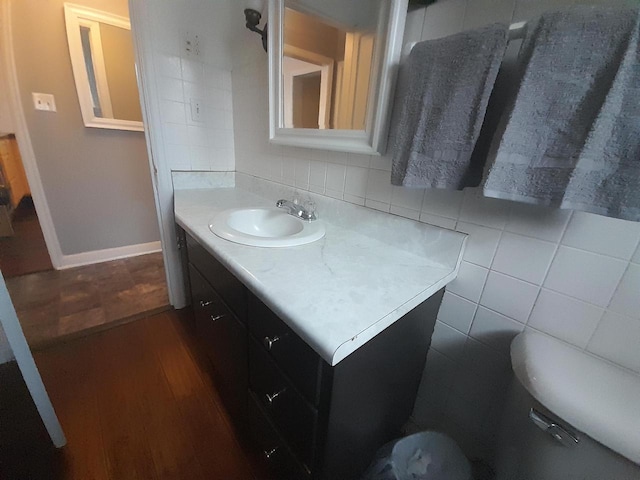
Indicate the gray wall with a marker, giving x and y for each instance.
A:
(97, 181)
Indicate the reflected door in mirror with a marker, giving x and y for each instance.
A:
(332, 70)
(326, 65)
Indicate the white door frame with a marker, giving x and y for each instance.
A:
(10, 81)
(140, 16)
(28, 368)
(325, 67)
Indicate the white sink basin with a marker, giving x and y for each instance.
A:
(265, 227)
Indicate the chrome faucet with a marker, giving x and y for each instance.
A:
(296, 210)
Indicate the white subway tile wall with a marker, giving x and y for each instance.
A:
(566, 318)
(584, 275)
(617, 338)
(457, 312)
(531, 267)
(571, 275)
(604, 235)
(196, 109)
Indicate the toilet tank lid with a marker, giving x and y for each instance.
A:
(594, 396)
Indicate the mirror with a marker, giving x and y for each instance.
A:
(332, 71)
(102, 59)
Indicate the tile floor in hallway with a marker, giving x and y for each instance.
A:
(56, 305)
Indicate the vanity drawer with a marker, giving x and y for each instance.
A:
(228, 287)
(290, 352)
(272, 447)
(207, 305)
(224, 338)
(295, 418)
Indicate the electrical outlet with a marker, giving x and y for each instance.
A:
(191, 44)
(197, 113)
(44, 101)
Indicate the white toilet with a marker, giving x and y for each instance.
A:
(569, 416)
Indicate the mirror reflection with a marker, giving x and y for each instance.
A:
(109, 63)
(103, 63)
(327, 63)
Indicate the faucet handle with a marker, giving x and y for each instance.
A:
(310, 208)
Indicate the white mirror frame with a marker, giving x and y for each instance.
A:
(373, 139)
(76, 16)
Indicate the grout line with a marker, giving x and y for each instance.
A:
(502, 314)
(454, 361)
(495, 253)
(593, 334)
(548, 269)
(513, 12)
(464, 14)
(615, 291)
(424, 21)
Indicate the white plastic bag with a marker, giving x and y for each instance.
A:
(422, 456)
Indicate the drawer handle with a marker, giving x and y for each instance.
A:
(273, 396)
(217, 317)
(205, 303)
(269, 341)
(270, 453)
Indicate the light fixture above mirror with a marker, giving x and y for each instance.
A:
(332, 72)
(253, 15)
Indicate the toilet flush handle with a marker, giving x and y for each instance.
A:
(562, 434)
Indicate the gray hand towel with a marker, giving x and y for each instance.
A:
(444, 94)
(572, 137)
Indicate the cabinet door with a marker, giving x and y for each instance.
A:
(294, 417)
(279, 460)
(225, 340)
(230, 289)
(296, 359)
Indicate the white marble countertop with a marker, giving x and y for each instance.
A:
(341, 291)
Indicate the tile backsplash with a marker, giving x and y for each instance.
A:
(572, 275)
(186, 82)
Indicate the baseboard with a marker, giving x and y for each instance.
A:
(99, 256)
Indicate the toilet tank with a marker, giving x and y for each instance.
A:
(569, 415)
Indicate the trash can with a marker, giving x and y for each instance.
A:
(421, 456)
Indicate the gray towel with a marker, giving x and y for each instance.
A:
(572, 138)
(448, 83)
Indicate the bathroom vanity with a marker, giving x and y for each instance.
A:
(318, 350)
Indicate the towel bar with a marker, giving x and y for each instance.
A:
(516, 32)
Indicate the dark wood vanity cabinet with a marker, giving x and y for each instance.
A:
(219, 306)
(309, 419)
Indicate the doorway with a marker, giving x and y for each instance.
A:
(89, 181)
(306, 105)
(23, 249)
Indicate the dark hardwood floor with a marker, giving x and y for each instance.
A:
(135, 402)
(25, 252)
